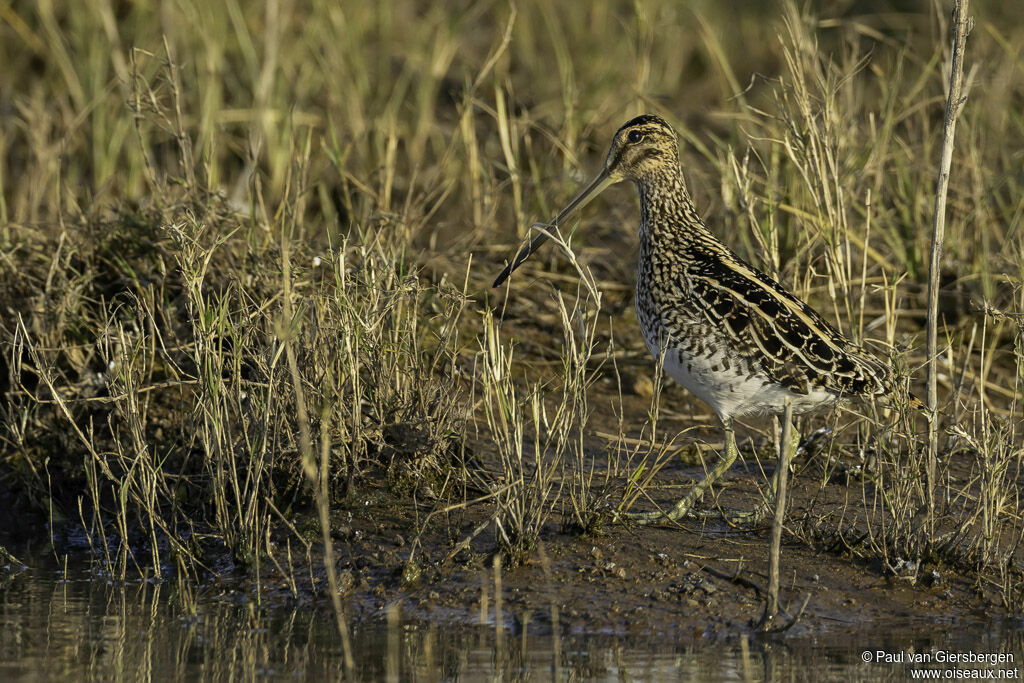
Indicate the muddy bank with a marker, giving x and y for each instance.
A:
(704, 579)
(701, 578)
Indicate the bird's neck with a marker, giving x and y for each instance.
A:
(666, 211)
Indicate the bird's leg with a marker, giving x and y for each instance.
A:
(787, 452)
(683, 507)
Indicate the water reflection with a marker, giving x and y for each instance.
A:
(80, 627)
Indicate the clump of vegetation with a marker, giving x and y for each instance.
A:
(148, 375)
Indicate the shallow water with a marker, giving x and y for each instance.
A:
(52, 627)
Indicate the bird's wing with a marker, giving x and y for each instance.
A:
(795, 345)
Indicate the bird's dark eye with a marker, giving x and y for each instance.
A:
(635, 136)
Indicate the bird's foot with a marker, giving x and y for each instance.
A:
(678, 511)
(735, 517)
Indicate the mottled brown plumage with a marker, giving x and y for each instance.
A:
(724, 330)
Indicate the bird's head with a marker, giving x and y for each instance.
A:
(643, 148)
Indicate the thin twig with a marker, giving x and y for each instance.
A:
(954, 105)
(786, 448)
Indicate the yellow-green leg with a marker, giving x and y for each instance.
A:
(786, 455)
(682, 508)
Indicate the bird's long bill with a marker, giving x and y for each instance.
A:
(594, 188)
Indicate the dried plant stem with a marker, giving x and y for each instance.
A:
(786, 448)
(954, 105)
(317, 476)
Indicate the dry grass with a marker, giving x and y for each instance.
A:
(236, 280)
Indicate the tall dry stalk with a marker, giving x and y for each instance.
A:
(786, 449)
(954, 105)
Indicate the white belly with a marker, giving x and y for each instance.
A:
(732, 392)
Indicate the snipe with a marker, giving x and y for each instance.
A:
(727, 332)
